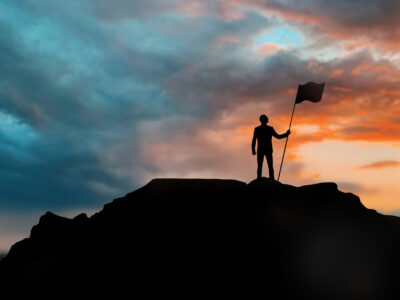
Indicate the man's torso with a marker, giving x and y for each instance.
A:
(264, 138)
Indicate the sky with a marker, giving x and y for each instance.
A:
(98, 97)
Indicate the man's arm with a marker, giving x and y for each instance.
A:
(280, 136)
(253, 143)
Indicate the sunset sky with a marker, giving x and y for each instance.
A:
(98, 97)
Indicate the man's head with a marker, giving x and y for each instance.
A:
(263, 119)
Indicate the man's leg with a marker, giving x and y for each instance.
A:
(260, 158)
(270, 165)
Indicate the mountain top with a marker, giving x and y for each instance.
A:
(201, 237)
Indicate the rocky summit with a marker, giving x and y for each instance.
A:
(212, 237)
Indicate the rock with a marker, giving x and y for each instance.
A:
(202, 237)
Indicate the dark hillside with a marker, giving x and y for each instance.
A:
(209, 237)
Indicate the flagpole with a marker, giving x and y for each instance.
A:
(284, 150)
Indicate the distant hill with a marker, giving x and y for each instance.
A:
(214, 238)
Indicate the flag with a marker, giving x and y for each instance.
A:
(310, 91)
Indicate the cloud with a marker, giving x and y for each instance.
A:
(356, 23)
(119, 9)
(381, 164)
(75, 91)
(357, 188)
(59, 111)
(354, 107)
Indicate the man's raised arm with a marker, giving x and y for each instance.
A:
(280, 136)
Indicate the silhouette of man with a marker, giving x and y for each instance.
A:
(263, 134)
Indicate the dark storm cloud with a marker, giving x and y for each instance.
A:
(350, 12)
(120, 9)
(28, 89)
(228, 85)
(64, 118)
(74, 91)
(115, 10)
(54, 179)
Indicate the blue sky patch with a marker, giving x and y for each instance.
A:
(284, 36)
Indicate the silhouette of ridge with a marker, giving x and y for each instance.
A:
(202, 237)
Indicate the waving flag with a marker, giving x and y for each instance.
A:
(310, 91)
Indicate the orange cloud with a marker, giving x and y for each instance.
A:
(336, 73)
(381, 164)
(269, 49)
